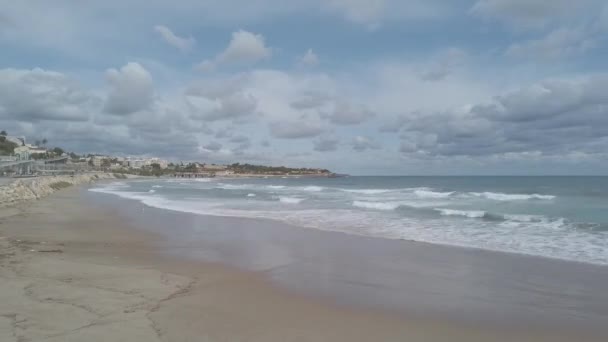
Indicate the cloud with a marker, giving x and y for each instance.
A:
(444, 64)
(35, 95)
(553, 117)
(361, 144)
(346, 114)
(326, 144)
(223, 99)
(295, 130)
(131, 89)
(230, 107)
(310, 100)
(309, 59)
(560, 43)
(244, 48)
(527, 13)
(182, 44)
(212, 146)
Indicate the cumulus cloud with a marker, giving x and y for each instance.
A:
(309, 59)
(295, 130)
(35, 95)
(182, 44)
(131, 89)
(362, 143)
(221, 100)
(244, 48)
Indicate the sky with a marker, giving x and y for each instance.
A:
(365, 87)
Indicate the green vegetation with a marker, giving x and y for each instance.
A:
(6, 147)
(274, 170)
(119, 176)
(60, 185)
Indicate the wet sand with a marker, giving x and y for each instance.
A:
(81, 266)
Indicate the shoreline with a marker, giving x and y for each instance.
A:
(352, 233)
(109, 258)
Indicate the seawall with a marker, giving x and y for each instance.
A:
(22, 190)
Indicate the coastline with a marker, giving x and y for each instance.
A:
(115, 272)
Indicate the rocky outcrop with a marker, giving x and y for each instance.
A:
(22, 190)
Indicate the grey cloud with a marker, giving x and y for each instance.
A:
(131, 89)
(213, 146)
(326, 144)
(239, 139)
(560, 43)
(222, 100)
(361, 143)
(444, 64)
(310, 100)
(346, 114)
(553, 117)
(35, 95)
(295, 130)
(529, 13)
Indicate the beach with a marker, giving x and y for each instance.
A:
(78, 265)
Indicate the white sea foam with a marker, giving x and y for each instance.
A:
(432, 194)
(157, 186)
(311, 188)
(497, 196)
(151, 191)
(276, 187)
(251, 195)
(377, 205)
(290, 200)
(367, 191)
(464, 213)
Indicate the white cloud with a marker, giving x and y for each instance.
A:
(244, 48)
(131, 89)
(309, 59)
(183, 44)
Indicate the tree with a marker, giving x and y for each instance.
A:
(3, 133)
(44, 141)
(37, 142)
(58, 151)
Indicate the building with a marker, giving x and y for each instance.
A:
(136, 163)
(162, 163)
(98, 161)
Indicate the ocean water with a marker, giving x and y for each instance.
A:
(557, 217)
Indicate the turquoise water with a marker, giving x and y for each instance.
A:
(558, 217)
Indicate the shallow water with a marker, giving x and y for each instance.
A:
(558, 217)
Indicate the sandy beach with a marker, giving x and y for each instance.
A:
(78, 266)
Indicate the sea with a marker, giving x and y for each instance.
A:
(554, 217)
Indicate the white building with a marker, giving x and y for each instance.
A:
(98, 160)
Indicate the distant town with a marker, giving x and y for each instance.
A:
(20, 158)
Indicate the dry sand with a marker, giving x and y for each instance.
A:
(73, 272)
